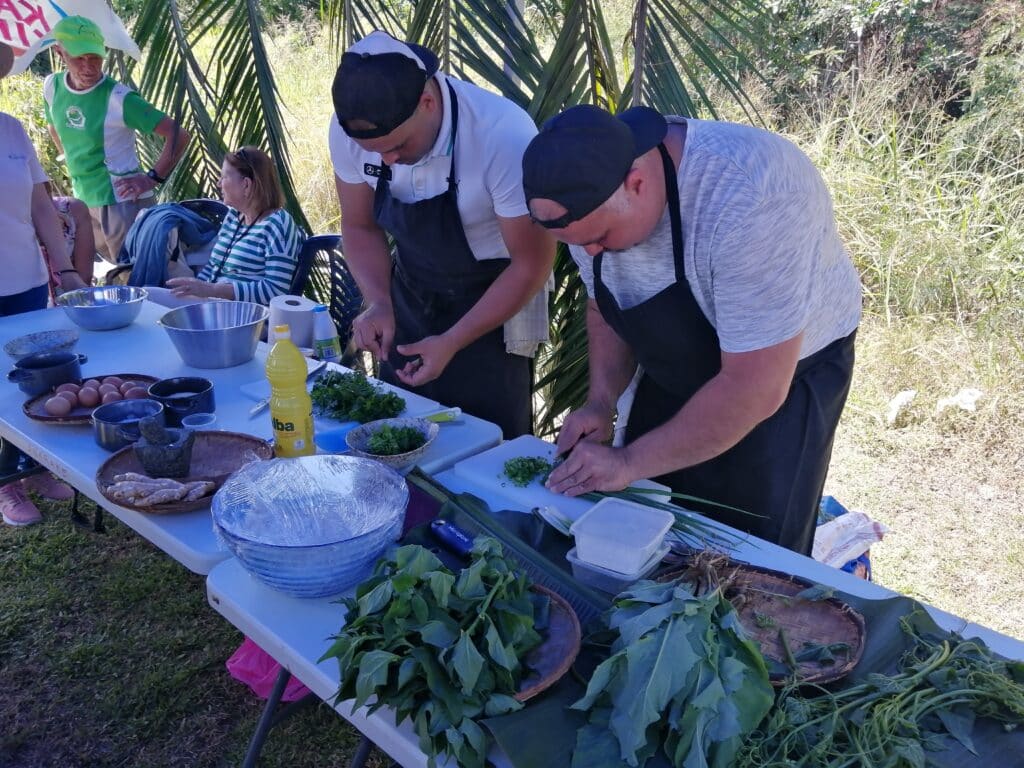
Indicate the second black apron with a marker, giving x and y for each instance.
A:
(776, 473)
(436, 280)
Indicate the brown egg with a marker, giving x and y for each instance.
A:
(91, 383)
(89, 397)
(117, 381)
(108, 388)
(57, 406)
(136, 393)
(112, 397)
(69, 387)
(71, 397)
(126, 385)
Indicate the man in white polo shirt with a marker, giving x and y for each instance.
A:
(436, 163)
(93, 120)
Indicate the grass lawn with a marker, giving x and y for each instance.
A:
(110, 656)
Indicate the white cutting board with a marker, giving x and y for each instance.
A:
(488, 469)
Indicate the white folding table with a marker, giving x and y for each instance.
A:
(143, 347)
(296, 632)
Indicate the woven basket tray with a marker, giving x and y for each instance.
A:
(215, 456)
(769, 609)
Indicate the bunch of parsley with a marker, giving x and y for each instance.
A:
(351, 397)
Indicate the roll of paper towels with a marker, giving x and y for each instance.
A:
(297, 313)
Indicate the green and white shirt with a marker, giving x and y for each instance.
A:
(97, 130)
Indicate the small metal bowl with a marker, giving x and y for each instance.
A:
(116, 424)
(104, 308)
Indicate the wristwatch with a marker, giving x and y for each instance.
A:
(155, 176)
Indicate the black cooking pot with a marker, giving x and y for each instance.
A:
(41, 372)
(182, 397)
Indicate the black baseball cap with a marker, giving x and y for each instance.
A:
(581, 156)
(380, 81)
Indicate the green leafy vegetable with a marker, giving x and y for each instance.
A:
(941, 686)
(522, 470)
(391, 441)
(439, 648)
(682, 675)
(351, 397)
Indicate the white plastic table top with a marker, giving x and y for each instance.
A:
(296, 632)
(144, 347)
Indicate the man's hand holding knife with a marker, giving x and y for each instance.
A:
(583, 460)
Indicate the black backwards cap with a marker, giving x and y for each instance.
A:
(581, 156)
(380, 81)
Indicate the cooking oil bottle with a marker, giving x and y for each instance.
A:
(291, 410)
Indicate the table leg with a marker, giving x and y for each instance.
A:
(269, 718)
(82, 521)
(363, 750)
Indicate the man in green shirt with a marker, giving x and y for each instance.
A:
(94, 120)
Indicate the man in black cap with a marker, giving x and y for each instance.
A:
(436, 163)
(711, 259)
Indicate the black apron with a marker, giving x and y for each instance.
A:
(777, 472)
(435, 280)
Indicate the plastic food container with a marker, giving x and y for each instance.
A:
(610, 581)
(619, 535)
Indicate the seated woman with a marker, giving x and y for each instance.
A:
(258, 244)
(26, 213)
(76, 226)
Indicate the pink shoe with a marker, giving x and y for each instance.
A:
(16, 508)
(48, 486)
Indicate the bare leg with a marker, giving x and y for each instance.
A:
(85, 244)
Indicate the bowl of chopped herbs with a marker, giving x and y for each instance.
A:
(397, 442)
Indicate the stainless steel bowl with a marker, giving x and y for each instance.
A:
(216, 334)
(104, 308)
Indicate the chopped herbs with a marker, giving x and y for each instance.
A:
(440, 648)
(522, 470)
(391, 441)
(351, 397)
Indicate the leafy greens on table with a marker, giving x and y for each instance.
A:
(351, 397)
(942, 685)
(440, 648)
(682, 677)
(392, 441)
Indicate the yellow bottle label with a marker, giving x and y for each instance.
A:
(293, 433)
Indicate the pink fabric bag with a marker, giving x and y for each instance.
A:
(253, 666)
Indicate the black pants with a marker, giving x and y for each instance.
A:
(482, 379)
(777, 472)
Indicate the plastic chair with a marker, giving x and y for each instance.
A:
(324, 275)
(213, 211)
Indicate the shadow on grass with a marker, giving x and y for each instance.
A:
(110, 656)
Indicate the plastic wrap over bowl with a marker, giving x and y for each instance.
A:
(103, 309)
(312, 526)
(216, 334)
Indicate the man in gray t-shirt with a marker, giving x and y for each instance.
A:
(711, 258)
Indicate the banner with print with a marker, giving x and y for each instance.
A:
(25, 26)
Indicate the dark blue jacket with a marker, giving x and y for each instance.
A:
(145, 247)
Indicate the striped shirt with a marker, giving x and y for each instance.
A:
(259, 260)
